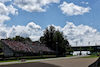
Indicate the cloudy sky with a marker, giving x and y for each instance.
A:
(79, 20)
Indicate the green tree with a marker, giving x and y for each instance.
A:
(28, 39)
(48, 36)
(18, 38)
(61, 42)
(21, 39)
(55, 40)
(42, 39)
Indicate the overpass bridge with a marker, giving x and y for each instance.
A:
(92, 49)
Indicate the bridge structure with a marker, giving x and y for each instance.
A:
(94, 50)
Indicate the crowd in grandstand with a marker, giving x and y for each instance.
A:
(41, 47)
(26, 46)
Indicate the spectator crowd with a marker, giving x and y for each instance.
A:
(27, 46)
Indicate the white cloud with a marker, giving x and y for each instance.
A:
(82, 2)
(30, 30)
(5, 11)
(32, 25)
(85, 2)
(12, 10)
(34, 5)
(80, 35)
(3, 18)
(71, 9)
(3, 1)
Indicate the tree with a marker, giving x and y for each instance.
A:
(21, 39)
(61, 42)
(55, 40)
(28, 39)
(48, 36)
(42, 39)
(18, 38)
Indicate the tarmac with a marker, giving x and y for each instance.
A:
(52, 62)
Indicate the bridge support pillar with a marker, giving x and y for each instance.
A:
(80, 52)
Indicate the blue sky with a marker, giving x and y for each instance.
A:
(53, 15)
(36, 15)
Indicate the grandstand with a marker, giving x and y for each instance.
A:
(15, 48)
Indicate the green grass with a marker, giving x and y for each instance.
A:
(91, 56)
(11, 59)
(69, 55)
(45, 57)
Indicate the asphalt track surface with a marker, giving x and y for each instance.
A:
(34, 64)
(55, 62)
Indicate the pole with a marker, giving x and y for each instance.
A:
(56, 49)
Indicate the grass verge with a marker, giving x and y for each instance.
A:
(69, 55)
(36, 58)
(12, 59)
(91, 56)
